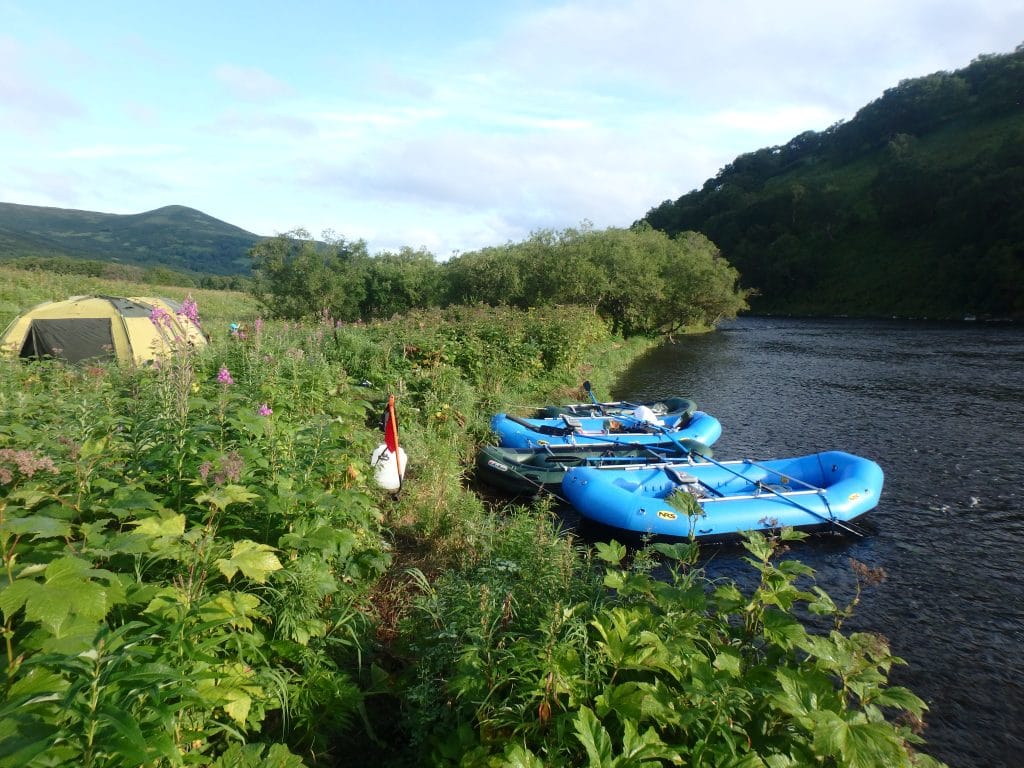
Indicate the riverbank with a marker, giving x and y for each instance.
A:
(199, 551)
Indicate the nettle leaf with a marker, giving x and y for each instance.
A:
(645, 746)
(759, 546)
(857, 743)
(223, 496)
(611, 552)
(803, 692)
(128, 500)
(232, 690)
(255, 561)
(518, 756)
(830, 652)
(165, 524)
(15, 595)
(28, 496)
(729, 662)
(783, 629)
(103, 484)
(251, 756)
(685, 552)
(234, 607)
(39, 526)
(593, 737)
(69, 591)
(729, 598)
(167, 603)
(903, 698)
(237, 704)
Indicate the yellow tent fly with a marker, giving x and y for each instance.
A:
(136, 330)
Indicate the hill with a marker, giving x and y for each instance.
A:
(174, 237)
(915, 207)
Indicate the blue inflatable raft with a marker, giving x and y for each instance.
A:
(609, 430)
(719, 499)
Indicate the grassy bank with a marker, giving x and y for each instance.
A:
(199, 570)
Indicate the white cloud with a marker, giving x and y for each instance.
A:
(251, 83)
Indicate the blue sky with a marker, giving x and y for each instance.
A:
(445, 125)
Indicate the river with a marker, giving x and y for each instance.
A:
(941, 408)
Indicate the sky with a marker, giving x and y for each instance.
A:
(449, 125)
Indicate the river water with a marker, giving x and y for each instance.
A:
(941, 408)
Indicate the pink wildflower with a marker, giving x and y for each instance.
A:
(264, 410)
(224, 376)
(159, 317)
(190, 310)
(258, 324)
(26, 462)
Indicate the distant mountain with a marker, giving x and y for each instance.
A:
(176, 237)
(914, 208)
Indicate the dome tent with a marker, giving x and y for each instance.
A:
(101, 327)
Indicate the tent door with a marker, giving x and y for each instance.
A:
(70, 339)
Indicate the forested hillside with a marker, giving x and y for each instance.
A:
(915, 207)
(173, 237)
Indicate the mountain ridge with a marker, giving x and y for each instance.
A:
(174, 236)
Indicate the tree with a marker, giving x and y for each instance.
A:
(297, 277)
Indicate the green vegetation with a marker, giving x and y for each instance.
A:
(175, 238)
(642, 281)
(197, 569)
(915, 207)
(21, 289)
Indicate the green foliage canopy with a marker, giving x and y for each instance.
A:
(642, 281)
(913, 207)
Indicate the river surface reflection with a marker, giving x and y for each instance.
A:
(941, 408)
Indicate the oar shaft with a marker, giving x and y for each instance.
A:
(827, 519)
(783, 474)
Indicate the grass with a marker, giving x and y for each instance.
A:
(22, 289)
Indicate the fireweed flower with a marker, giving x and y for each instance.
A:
(224, 376)
(231, 466)
(190, 310)
(159, 317)
(264, 410)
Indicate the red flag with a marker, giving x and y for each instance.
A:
(391, 436)
(391, 426)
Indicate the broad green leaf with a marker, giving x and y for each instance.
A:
(28, 496)
(858, 744)
(16, 594)
(897, 696)
(782, 629)
(23, 738)
(685, 552)
(255, 561)
(611, 552)
(251, 756)
(162, 525)
(759, 546)
(39, 526)
(235, 607)
(648, 745)
(728, 661)
(225, 495)
(594, 738)
(237, 705)
(518, 756)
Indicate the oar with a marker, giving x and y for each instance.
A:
(838, 523)
(589, 389)
(691, 447)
